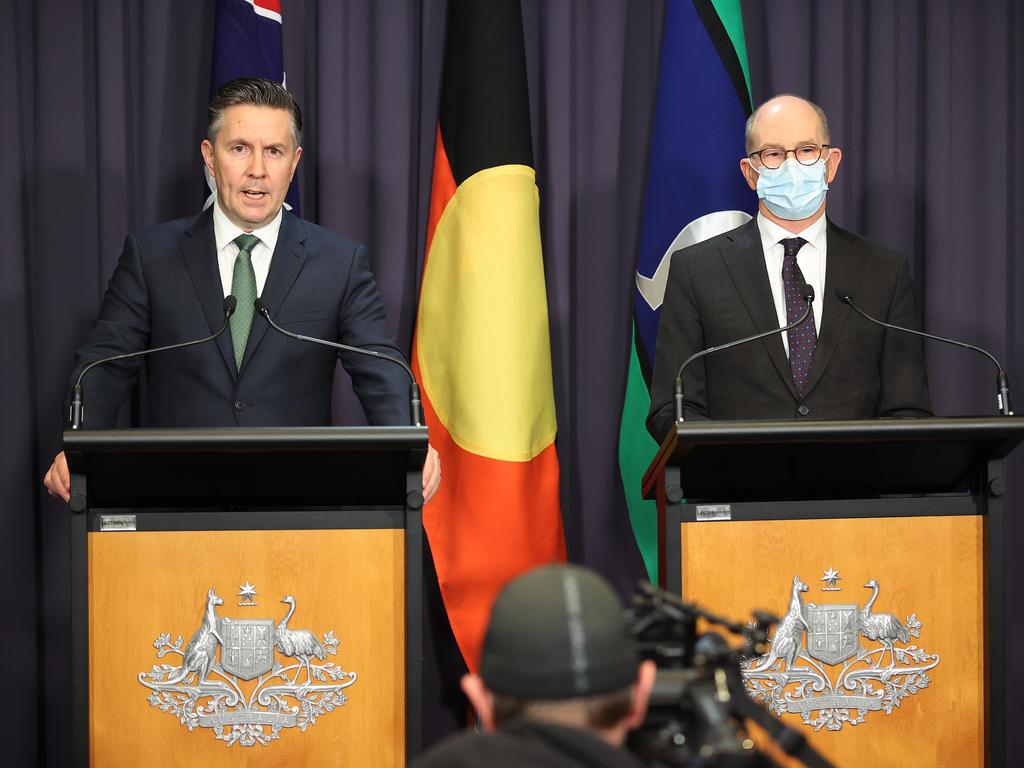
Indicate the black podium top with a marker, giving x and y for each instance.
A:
(244, 468)
(754, 460)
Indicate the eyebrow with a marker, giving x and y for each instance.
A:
(246, 142)
(774, 145)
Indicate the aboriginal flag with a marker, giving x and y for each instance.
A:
(481, 349)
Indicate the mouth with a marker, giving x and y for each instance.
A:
(254, 194)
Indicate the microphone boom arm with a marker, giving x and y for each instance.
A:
(77, 415)
(1002, 380)
(415, 405)
(808, 295)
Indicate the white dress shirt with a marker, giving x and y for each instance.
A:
(810, 258)
(224, 232)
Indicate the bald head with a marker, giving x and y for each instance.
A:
(790, 115)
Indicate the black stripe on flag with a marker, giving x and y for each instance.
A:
(485, 106)
(723, 44)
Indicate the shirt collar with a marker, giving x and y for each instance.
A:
(225, 231)
(772, 233)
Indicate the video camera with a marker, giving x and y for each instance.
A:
(698, 706)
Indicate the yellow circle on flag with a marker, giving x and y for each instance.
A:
(483, 348)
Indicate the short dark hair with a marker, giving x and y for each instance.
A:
(602, 710)
(256, 92)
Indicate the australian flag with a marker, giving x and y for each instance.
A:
(247, 42)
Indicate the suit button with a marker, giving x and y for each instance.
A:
(803, 410)
(239, 405)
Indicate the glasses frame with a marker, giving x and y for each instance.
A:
(822, 151)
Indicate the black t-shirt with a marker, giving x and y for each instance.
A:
(523, 743)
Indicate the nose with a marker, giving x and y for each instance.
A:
(258, 166)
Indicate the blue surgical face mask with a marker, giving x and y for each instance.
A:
(792, 191)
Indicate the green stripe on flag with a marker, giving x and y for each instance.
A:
(731, 14)
(636, 451)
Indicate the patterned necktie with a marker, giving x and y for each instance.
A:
(243, 286)
(804, 338)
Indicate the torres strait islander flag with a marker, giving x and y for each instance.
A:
(481, 349)
(694, 191)
(247, 42)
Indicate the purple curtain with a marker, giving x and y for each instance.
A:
(104, 114)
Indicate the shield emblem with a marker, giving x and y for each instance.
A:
(248, 649)
(834, 632)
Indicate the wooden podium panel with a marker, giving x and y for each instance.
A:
(144, 584)
(928, 567)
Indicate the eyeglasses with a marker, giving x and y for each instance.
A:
(805, 154)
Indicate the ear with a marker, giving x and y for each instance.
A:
(481, 699)
(835, 156)
(295, 162)
(749, 174)
(207, 149)
(641, 694)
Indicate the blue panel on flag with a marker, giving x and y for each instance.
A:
(696, 146)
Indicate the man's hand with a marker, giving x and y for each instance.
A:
(58, 480)
(431, 473)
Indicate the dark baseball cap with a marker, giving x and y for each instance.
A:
(558, 632)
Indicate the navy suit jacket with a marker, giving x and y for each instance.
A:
(718, 291)
(167, 289)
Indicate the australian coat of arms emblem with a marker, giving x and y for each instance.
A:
(833, 677)
(206, 689)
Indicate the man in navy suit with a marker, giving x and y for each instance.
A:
(836, 365)
(171, 281)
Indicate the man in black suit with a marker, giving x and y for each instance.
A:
(748, 280)
(170, 283)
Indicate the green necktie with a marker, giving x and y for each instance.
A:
(243, 286)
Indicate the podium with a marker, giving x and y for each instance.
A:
(880, 545)
(246, 596)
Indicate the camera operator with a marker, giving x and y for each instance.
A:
(560, 681)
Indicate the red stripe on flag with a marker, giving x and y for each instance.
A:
(442, 189)
(490, 521)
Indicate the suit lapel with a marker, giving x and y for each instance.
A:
(744, 258)
(845, 268)
(199, 250)
(289, 256)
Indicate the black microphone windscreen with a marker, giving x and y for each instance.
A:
(230, 302)
(807, 291)
(260, 306)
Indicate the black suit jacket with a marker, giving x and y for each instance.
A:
(167, 289)
(718, 291)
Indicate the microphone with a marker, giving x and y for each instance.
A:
(77, 414)
(806, 293)
(414, 388)
(1002, 380)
